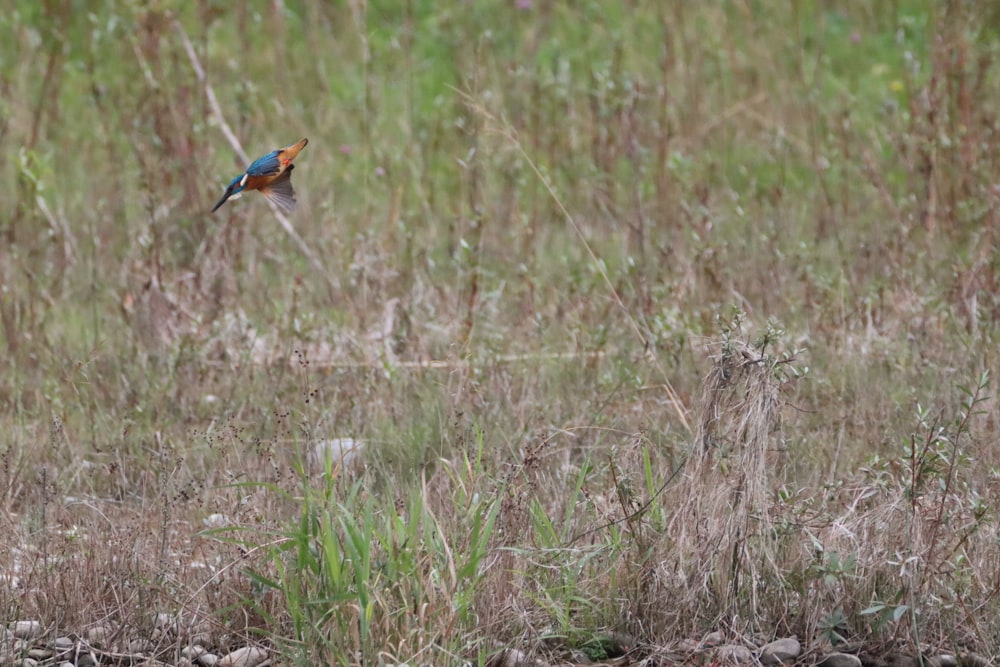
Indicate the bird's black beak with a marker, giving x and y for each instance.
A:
(229, 193)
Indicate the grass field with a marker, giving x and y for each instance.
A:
(648, 318)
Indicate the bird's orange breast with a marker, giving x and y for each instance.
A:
(258, 182)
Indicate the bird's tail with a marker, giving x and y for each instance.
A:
(280, 190)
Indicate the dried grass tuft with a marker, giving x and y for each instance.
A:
(721, 533)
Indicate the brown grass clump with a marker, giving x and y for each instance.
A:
(730, 478)
(719, 543)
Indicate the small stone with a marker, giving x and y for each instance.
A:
(39, 653)
(184, 662)
(208, 659)
(840, 660)
(166, 623)
(27, 662)
(688, 646)
(511, 657)
(974, 660)
(713, 639)
(338, 453)
(86, 659)
(26, 629)
(200, 633)
(780, 652)
(248, 656)
(733, 654)
(99, 635)
(193, 651)
(140, 646)
(946, 660)
(63, 644)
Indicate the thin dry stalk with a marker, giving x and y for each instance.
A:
(503, 129)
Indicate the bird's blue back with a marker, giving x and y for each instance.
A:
(265, 166)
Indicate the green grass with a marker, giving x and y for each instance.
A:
(654, 319)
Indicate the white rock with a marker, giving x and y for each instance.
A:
(248, 656)
(86, 659)
(140, 646)
(216, 520)
(343, 453)
(688, 645)
(715, 638)
(165, 622)
(780, 652)
(733, 654)
(840, 660)
(26, 629)
(100, 635)
(193, 652)
(511, 657)
(63, 644)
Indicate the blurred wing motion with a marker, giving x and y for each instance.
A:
(280, 190)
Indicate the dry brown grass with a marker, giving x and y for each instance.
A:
(522, 237)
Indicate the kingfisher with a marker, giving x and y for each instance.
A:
(270, 175)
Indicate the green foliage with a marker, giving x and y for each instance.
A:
(352, 569)
(831, 627)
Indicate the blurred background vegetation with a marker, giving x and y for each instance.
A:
(529, 228)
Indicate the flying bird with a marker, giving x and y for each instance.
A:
(270, 175)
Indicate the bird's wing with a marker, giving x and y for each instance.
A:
(266, 166)
(280, 190)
